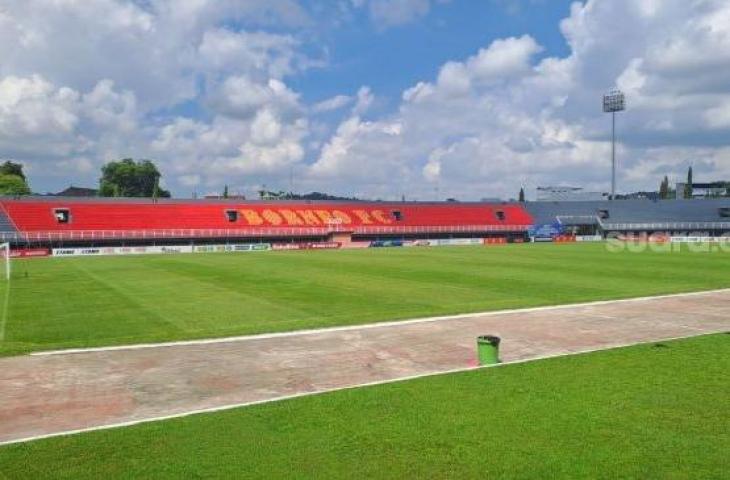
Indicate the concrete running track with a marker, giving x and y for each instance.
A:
(44, 395)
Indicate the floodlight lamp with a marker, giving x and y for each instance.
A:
(614, 101)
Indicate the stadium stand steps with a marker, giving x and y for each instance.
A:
(6, 226)
(32, 215)
(630, 211)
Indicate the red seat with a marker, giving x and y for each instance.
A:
(40, 216)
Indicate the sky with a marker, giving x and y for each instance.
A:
(427, 99)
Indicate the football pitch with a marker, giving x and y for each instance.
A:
(83, 302)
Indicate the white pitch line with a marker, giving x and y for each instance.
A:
(294, 333)
(336, 389)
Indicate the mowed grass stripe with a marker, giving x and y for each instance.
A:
(116, 287)
(81, 302)
(648, 411)
(325, 288)
(210, 286)
(301, 293)
(60, 304)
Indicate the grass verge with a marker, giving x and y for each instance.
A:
(648, 411)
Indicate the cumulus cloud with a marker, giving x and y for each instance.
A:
(34, 107)
(157, 49)
(269, 55)
(505, 117)
(242, 97)
(58, 130)
(85, 82)
(82, 83)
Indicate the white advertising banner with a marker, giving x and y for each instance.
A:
(96, 251)
(142, 250)
(233, 247)
(696, 239)
(458, 241)
(588, 238)
(443, 242)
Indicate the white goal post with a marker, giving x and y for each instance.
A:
(5, 249)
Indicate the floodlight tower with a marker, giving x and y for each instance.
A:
(613, 102)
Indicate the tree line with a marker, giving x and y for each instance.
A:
(121, 178)
(141, 178)
(665, 191)
(130, 178)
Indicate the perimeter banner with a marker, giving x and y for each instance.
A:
(235, 247)
(29, 252)
(306, 246)
(91, 251)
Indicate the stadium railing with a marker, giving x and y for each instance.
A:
(662, 226)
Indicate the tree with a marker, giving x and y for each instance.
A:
(13, 185)
(225, 191)
(664, 188)
(688, 186)
(128, 178)
(12, 168)
(522, 195)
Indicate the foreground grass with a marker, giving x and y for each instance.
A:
(81, 302)
(650, 411)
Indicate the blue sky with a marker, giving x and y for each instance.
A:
(390, 60)
(426, 99)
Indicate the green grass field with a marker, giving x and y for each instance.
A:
(81, 302)
(648, 411)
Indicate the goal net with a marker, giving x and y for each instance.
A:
(5, 252)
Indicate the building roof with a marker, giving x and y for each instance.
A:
(77, 192)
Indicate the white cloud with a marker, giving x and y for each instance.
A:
(360, 151)
(57, 131)
(32, 106)
(241, 97)
(270, 55)
(364, 100)
(155, 48)
(85, 82)
(502, 117)
(333, 103)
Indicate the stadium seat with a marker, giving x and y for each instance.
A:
(65, 215)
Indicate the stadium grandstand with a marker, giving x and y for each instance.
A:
(711, 216)
(58, 222)
(64, 222)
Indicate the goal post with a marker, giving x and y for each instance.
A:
(5, 249)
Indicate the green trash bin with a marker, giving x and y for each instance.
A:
(488, 349)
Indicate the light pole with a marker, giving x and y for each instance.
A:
(613, 102)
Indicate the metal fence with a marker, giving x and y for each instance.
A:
(571, 220)
(665, 226)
